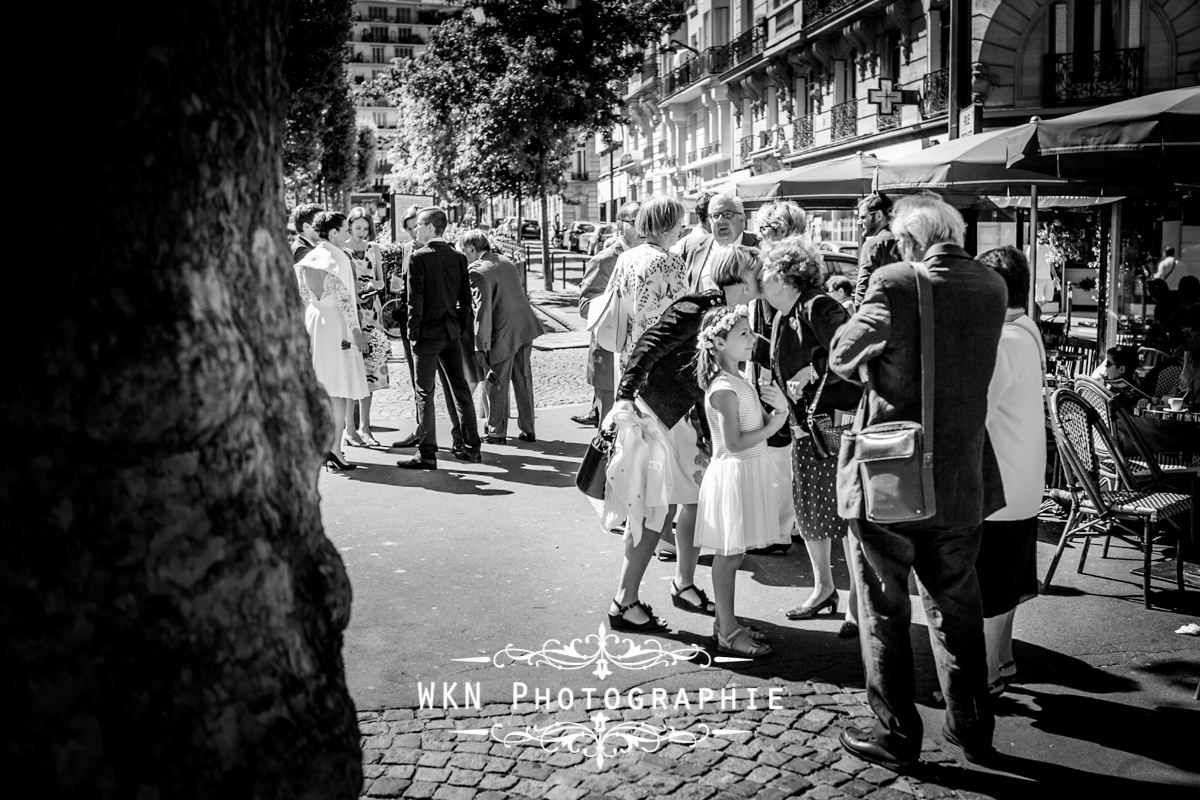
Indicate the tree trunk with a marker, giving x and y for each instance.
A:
(547, 264)
(171, 612)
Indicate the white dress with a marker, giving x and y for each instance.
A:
(739, 496)
(329, 320)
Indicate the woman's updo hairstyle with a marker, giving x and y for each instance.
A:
(327, 222)
(798, 263)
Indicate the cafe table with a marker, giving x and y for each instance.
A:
(1164, 414)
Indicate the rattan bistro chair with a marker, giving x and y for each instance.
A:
(1095, 510)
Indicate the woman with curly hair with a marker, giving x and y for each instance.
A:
(801, 333)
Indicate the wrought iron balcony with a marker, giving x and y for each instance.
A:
(935, 93)
(1085, 77)
(579, 176)
(802, 132)
(671, 161)
(710, 149)
(845, 119)
(817, 10)
(745, 46)
(888, 122)
(766, 138)
(746, 147)
(712, 61)
(692, 155)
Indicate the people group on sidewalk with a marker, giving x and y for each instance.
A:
(466, 322)
(731, 347)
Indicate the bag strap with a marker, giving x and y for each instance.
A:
(925, 309)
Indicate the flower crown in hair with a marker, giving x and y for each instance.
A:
(721, 326)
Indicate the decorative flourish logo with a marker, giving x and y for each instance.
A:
(601, 649)
(601, 740)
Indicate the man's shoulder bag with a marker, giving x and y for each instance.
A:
(890, 465)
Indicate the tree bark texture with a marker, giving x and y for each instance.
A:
(171, 612)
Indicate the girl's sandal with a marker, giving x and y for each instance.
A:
(368, 439)
(756, 634)
(755, 650)
(617, 622)
(704, 606)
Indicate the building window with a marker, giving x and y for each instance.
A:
(404, 15)
(376, 12)
(404, 52)
(377, 56)
(380, 119)
(405, 34)
(379, 33)
(891, 57)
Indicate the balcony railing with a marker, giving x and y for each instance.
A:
(579, 176)
(817, 10)
(845, 119)
(746, 147)
(888, 122)
(671, 161)
(748, 44)
(710, 149)
(935, 93)
(766, 138)
(802, 132)
(712, 61)
(1103, 75)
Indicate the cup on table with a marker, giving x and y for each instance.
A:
(1175, 403)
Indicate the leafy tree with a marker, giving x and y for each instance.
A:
(364, 155)
(314, 69)
(514, 83)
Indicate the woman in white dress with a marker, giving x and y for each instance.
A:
(326, 281)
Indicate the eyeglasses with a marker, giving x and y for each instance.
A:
(725, 215)
(625, 220)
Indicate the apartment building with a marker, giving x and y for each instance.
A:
(746, 87)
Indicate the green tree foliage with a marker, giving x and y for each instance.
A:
(364, 155)
(320, 114)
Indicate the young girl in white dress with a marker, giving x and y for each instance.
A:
(738, 495)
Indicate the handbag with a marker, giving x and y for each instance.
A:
(826, 437)
(593, 470)
(604, 318)
(890, 465)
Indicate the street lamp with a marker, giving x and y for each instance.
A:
(674, 45)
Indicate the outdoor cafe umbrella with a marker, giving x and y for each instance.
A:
(1153, 139)
(848, 177)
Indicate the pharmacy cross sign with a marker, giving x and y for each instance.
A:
(886, 97)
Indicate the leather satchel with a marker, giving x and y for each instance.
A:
(594, 468)
(891, 464)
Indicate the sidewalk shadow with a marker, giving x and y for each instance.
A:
(527, 468)
(1014, 776)
(446, 478)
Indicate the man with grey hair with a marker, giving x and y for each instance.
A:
(881, 347)
(727, 220)
(595, 280)
(505, 327)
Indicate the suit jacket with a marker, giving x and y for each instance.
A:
(883, 338)
(300, 248)
(694, 252)
(439, 299)
(504, 320)
(801, 338)
(661, 369)
(876, 251)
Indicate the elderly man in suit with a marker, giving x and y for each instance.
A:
(440, 325)
(505, 327)
(880, 346)
(727, 219)
(595, 280)
(306, 235)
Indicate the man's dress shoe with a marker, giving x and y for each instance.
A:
(526, 437)
(587, 420)
(412, 440)
(862, 744)
(416, 462)
(469, 456)
(495, 439)
(976, 755)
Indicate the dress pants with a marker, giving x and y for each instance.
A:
(944, 562)
(517, 372)
(448, 360)
(455, 427)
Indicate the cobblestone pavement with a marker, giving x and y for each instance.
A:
(559, 378)
(792, 751)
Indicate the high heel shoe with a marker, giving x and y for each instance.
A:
(808, 612)
(335, 464)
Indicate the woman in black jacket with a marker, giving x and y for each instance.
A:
(659, 384)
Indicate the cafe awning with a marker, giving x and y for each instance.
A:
(845, 178)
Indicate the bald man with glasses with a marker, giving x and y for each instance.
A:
(727, 218)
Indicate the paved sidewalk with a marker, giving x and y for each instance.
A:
(791, 751)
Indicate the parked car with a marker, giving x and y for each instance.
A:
(530, 229)
(839, 246)
(577, 229)
(593, 242)
(840, 264)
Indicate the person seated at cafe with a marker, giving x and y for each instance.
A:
(1119, 374)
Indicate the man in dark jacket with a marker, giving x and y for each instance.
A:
(881, 344)
(440, 326)
(306, 236)
(727, 218)
(879, 245)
